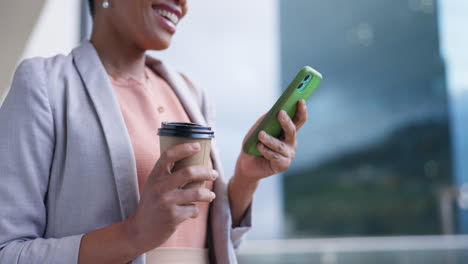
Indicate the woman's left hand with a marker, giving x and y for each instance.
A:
(277, 153)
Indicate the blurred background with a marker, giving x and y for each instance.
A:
(381, 174)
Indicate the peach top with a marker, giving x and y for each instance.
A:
(144, 105)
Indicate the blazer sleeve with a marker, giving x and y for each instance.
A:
(26, 152)
(207, 108)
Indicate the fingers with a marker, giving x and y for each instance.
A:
(188, 211)
(192, 174)
(301, 114)
(268, 153)
(190, 196)
(275, 144)
(176, 153)
(278, 162)
(289, 128)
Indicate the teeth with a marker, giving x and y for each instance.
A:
(169, 15)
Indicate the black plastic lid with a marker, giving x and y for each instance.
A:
(187, 130)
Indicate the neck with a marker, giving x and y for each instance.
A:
(117, 54)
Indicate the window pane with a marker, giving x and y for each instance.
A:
(375, 155)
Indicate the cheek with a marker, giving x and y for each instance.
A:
(149, 20)
(127, 17)
(142, 26)
(152, 34)
(138, 14)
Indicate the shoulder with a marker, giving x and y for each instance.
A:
(32, 78)
(43, 67)
(38, 71)
(29, 71)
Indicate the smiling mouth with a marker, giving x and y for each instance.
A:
(173, 18)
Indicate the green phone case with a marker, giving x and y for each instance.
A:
(301, 88)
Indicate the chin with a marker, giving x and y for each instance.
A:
(162, 45)
(158, 42)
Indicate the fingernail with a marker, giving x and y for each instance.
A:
(214, 174)
(196, 146)
(283, 114)
(259, 145)
(261, 134)
(213, 195)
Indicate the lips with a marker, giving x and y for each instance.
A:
(168, 15)
(171, 13)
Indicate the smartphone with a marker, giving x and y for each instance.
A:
(301, 88)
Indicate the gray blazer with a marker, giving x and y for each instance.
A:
(67, 165)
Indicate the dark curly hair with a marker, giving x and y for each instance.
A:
(91, 6)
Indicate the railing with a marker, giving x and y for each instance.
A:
(362, 250)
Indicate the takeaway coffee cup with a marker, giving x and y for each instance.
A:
(175, 133)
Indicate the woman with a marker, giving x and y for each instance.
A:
(82, 180)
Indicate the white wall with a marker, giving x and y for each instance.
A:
(35, 28)
(57, 30)
(232, 48)
(15, 30)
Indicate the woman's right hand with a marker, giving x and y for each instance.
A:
(163, 204)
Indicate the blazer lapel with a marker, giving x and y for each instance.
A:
(189, 103)
(121, 155)
(119, 145)
(180, 88)
(220, 218)
(114, 129)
